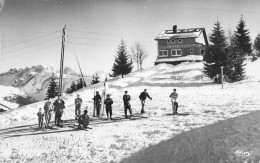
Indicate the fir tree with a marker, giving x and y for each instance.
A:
(53, 89)
(257, 45)
(80, 84)
(238, 52)
(72, 88)
(242, 38)
(236, 71)
(216, 54)
(123, 65)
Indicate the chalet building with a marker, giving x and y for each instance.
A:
(181, 45)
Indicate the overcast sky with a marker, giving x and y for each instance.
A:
(31, 29)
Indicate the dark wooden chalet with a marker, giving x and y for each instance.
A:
(181, 45)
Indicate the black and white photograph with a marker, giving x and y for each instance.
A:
(130, 81)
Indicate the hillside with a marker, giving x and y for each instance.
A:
(202, 101)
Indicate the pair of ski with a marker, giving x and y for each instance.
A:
(76, 126)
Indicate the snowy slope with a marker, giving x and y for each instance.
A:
(205, 102)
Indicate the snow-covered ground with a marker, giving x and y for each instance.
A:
(204, 102)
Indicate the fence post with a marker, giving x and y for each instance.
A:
(221, 68)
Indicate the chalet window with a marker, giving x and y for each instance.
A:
(163, 53)
(191, 50)
(168, 41)
(176, 52)
(180, 40)
(202, 51)
(179, 52)
(172, 41)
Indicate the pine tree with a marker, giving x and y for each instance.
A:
(216, 54)
(80, 84)
(238, 52)
(257, 45)
(53, 89)
(236, 71)
(73, 87)
(242, 38)
(122, 65)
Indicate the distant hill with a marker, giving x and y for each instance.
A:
(33, 81)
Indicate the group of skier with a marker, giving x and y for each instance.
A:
(58, 106)
(126, 100)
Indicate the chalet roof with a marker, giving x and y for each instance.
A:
(183, 33)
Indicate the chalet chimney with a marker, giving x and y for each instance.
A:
(174, 29)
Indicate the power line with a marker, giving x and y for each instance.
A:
(91, 38)
(111, 40)
(77, 31)
(86, 44)
(36, 44)
(28, 52)
(102, 35)
(15, 44)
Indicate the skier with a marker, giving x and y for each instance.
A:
(108, 102)
(59, 105)
(84, 120)
(97, 100)
(127, 106)
(142, 97)
(40, 115)
(174, 97)
(78, 102)
(48, 110)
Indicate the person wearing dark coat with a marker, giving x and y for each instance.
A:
(143, 97)
(59, 105)
(127, 105)
(84, 120)
(108, 103)
(174, 96)
(97, 101)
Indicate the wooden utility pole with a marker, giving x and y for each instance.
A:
(221, 67)
(62, 60)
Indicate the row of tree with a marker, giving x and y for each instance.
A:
(229, 55)
(76, 86)
(53, 89)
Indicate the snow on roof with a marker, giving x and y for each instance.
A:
(181, 33)
(184, 58)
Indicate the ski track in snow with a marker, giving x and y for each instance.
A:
(206, 104)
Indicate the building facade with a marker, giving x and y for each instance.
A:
(181, 45)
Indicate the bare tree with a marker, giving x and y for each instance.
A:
(139, 54)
